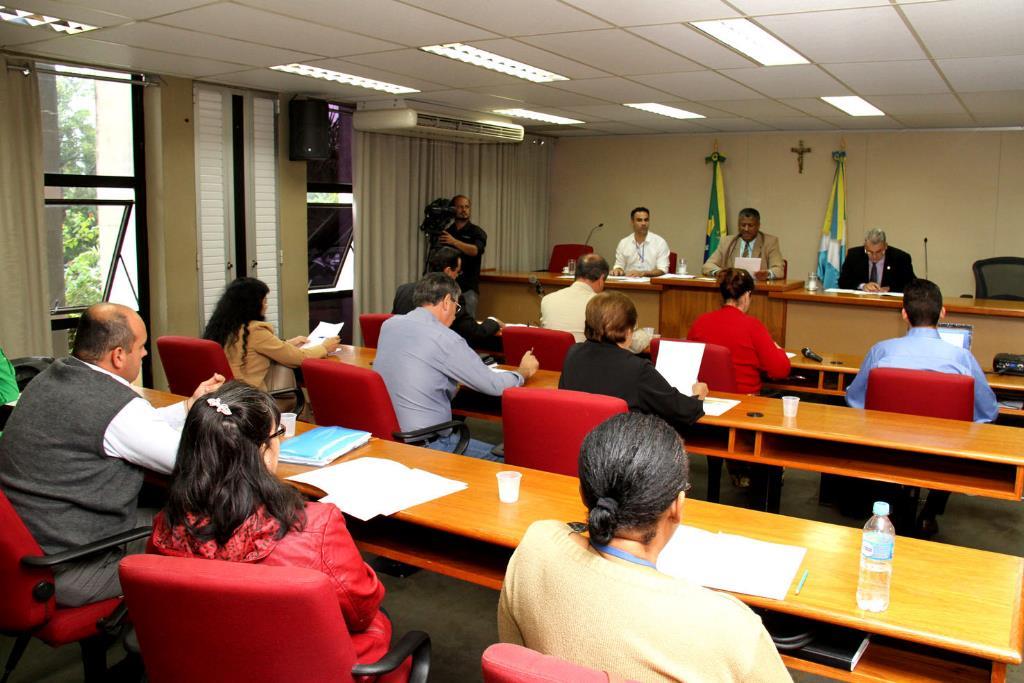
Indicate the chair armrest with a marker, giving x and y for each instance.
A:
(423, 434)
(102, 545)
(415, 643)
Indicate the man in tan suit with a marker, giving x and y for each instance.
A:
(748, 242)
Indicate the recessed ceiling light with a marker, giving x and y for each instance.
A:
(751, 40)
(347, 79)
(489, 60)
(854, 106)
(536, 116)
(31, 19)
(664, 110)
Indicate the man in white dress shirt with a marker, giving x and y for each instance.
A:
(642, 254)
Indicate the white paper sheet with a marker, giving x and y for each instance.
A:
(861, 292)
(677, 276)
(322, 332)
(717, 406)
(367, 487)
(730, 562)
(679, 363)
(790, 354)
(748, 263)
(626, 278)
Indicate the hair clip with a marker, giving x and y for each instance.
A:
(220, 406)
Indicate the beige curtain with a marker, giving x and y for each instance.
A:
(396, 177)
(25, 321)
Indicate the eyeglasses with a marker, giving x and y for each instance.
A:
(458, 307)
(279, 434)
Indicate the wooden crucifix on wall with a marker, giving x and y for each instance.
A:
(800, 151)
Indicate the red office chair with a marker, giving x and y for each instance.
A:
(353, 397)
(207, 620)
(189, 361)
(533, 439)
(28, 608)
(369, 324)
(550, 346)
(716, 369)
(673, 259)
(561, 253)
(507, 663)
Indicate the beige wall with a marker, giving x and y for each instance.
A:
(960, 189)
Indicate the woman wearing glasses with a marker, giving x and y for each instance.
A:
(225, 503)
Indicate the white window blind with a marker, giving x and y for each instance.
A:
(264, 245)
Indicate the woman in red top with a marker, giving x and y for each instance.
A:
(226, 504)
(752, 347)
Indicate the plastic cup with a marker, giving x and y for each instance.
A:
(288, 421)
(649, 331)
(508, 486)
(790, 404)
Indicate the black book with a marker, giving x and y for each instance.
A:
(837, 647)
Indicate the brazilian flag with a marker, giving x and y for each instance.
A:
(832, 246)
(716, 207)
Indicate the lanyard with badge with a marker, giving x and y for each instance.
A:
(640, 248)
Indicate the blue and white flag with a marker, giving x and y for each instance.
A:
(832, 249)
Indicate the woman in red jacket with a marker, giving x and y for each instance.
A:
(226, 504)
(752, 347)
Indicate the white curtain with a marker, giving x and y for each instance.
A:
(25, 322)
(396, 177)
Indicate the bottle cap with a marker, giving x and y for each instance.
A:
(880, 508)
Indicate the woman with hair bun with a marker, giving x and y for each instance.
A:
(601, 601)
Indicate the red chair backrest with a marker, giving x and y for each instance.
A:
(508, 663)
(209, 620)
(550, 346)
(921, 392)
(716, 369)
(561, 253)
(369, 325)
(189, 361)
(19, 611)
(544, 428)
(349, 396)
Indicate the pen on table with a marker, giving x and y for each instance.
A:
(802, 580)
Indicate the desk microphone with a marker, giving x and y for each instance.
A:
(597, 227)
(925, 258)
(537, 286)
(806, 351)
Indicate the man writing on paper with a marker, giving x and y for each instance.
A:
(642, 254)
(73, 453)
(423, 362)
(923, 349)
(566, 309)
(748, 242)
(448, 261)
(470, 240)
(876, 267)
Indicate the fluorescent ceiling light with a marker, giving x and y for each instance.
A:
(751, 40)
(664, 110)
(489, 60)
(347, 79)
(854, 106)
(31, 19)
(536, 116)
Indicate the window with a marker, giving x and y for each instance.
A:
(329, 209)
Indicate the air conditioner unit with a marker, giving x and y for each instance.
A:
(421, 124)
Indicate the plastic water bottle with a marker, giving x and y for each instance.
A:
(876, 551)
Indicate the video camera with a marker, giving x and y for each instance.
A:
(438, 215)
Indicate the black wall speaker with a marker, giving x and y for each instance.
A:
(308, 136)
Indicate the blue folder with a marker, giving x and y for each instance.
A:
(322, 445)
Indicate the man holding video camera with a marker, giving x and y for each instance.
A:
(471, 240)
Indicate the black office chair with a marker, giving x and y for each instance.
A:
(1001, 277)
(26, 368)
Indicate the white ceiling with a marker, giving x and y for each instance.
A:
(926, 63)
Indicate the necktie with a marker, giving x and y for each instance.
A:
(748, 249)
(874, 272)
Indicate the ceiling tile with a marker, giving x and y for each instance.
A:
(617, 90)
(1002, 103)
(180, 41)
(761, 7)
(90, 13)
(385, 19)
(799, 80)
(938, 120)
(698, 85)
(290, 84)
(864, 122)
(694, 45)
(871, 34)
(664, 124)
(419, 64)
(89, 51)
(1009, 119)
(733, 124)
(468, 99)
(920, 105)
(798, 123)
(883, 78)
(754, 108)
(611, 112)
(519, 18)
(614, 51)
(640, 12)
(514, 49)
(12, 34)
(257, 26)
(377, 74)
(969, 28)
(620, 128)
(978, 74)
(811, 105)
(536, 93)
(139, 9)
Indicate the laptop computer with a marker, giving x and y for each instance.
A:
(957, 334)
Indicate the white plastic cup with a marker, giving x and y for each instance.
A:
(288, 421)
(649, 331)
(508, 486)
(790, 404)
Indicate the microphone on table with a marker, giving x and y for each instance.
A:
(925, 258)
(808, 353)
(597, 227)
(537, 286)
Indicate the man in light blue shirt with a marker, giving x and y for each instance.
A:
(923, 349)
(423, 362)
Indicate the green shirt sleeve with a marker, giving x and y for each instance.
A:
(8, 383)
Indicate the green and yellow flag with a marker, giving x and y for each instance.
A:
(832, 246)
(716, 207)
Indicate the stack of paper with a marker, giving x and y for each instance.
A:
(679, 363)
(367, 487)
(836, 290)
(627, 278)
(322, 445)
(323, 332)
(732, 563)
(718, 406)
(677, 276)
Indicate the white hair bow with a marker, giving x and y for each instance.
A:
(219, 405)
